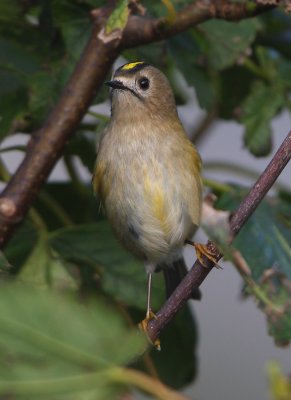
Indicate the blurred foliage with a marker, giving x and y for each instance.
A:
(65, 250)
(73, 349)
(264, 242)
(280, 385)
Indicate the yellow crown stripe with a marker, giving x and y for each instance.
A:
(130, 66)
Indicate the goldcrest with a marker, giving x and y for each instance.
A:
(148, 173)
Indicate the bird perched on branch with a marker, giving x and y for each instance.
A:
(148, 173)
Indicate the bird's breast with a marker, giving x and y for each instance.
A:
(149, 187)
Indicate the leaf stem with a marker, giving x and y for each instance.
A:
(91, 381)
(260, 295)
(74, 175)
(241, 266)
(144, 382)
(102, 117)
(12, 148)
(217, 186)
(37, 220)
(55, 207)
(4, 174)
(253, 67)
(238, 169)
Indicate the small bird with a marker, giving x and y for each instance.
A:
(148, 173)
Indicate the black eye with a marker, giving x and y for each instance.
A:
(144, 83)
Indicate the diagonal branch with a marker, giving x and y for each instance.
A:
(198, 272)
(46, 146)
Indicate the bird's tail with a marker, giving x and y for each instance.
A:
(173, 275)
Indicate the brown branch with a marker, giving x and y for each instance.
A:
(140, 31)
(198, 272)
(46, 146)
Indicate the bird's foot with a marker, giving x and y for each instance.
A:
(203, 251)
(143, 326)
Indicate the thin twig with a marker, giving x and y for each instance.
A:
(198, 272)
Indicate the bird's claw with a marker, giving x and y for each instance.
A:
(143, 326)
(203, 251)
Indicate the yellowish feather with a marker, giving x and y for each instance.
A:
(130, 66)
(156, 199)
(100, 186)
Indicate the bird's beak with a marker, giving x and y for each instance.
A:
(115, 84)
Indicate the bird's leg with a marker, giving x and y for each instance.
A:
(143, 325)
(149, 314)
(203, 251)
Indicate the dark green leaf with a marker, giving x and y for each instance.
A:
(227, 41)
(74, 23)
(9, 11)
(122, 276)
(4, 263)
(187, 56)
(21, 245)
(43, 94)
(67, 198)
(12, 108)
(235, 84)
(83, 144)
(179, 342)
(258, 109)
(284, 72)
(17, 58)
(275, 32)
(153, 53)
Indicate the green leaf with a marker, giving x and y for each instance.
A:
(93, 245)
(4, 263)
(53, 346)
(83, 144)
(279, 323)
(118, 18)
(43, 270)
(64, 210)
(227, 41)
(179, 346)
(258, 109)
(17, 57)
(9, 11)
(153, 53)
(21, 245)
(229, 99)
(74, 23)
(12, 108)
(186, 54)
(284, 72)
(275, 32)
(43, 94)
